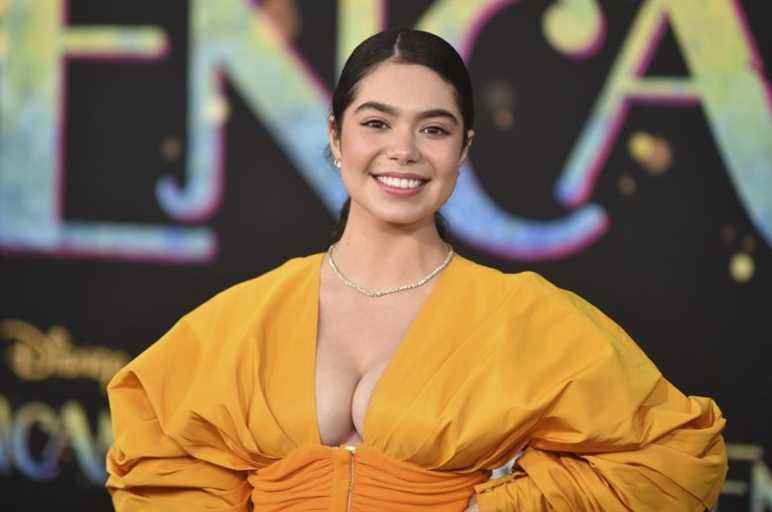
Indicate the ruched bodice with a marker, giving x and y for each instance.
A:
(359, 479)
(220, 412)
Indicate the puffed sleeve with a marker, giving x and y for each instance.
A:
(168, 454)
(610, 432)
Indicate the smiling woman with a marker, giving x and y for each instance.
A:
(390, 373)
(390, 135)
(432, 105)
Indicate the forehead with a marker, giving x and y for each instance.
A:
(409, 87)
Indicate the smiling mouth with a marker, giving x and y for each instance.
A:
(402, 183)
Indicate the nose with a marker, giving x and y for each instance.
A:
(402, 148)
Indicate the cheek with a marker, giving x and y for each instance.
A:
(444, 158)
(358, 145)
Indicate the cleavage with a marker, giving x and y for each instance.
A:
(356, 340)
(344, 393)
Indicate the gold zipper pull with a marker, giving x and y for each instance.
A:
(352, 450)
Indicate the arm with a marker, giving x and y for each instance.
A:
(165, 455)
(681, 470)
(612, 433)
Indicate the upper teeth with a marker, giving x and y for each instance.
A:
(399, 182)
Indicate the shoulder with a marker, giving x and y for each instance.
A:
(529, 288)
(247, 299)
(519, 286)
(564, 311)
(569, 305)
(552, 320)
(232, 316)
(225, 326)
(556, 334)
(517, 301)
(272, 280)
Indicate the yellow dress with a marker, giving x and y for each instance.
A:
(219, 414)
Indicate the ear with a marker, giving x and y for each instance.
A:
(332, 135)
(465, 149)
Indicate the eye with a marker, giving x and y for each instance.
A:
(436, 130)
(374, 123)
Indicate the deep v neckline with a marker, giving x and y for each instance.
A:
(399, 353)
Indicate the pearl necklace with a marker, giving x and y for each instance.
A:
(381, 293)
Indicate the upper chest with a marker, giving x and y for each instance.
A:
(357, 337)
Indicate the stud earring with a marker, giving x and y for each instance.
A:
(337, 163)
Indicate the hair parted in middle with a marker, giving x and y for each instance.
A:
(405, 46)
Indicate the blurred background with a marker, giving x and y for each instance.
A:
(155, 153)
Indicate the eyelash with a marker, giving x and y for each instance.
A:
(441, 130)
(369, 124)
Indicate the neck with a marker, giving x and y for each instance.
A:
(378, 255)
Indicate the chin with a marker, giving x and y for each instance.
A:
(403, 219)
(399, 214)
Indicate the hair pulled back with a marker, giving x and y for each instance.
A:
(406, 46)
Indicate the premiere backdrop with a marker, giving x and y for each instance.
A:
(153, 153)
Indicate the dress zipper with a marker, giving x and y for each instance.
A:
(351, 449)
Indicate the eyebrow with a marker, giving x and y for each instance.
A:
(388, 109)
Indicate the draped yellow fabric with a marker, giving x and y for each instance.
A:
(219, 414)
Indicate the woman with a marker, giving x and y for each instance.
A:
(390, 373)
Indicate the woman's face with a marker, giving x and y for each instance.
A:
(403, 123)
